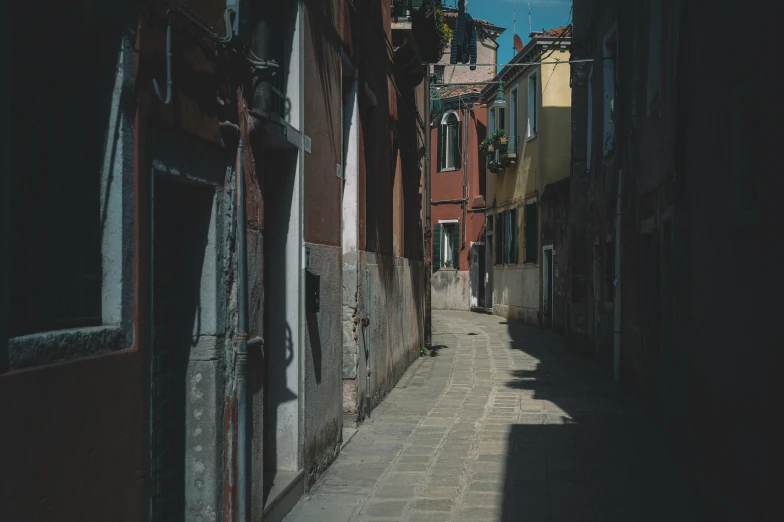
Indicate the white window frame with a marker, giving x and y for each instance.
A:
(514, 111)
(449, 163)
(446, 251)
(532, 113)
(117, 202)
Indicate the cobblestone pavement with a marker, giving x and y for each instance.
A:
(500, 424)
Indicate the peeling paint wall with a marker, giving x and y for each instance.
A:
(450, 290)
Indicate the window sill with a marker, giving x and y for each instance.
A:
(56, 346)
(531, 137)
(449, 170)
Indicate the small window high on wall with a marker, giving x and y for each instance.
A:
(449, 150)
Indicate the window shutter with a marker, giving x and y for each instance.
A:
(508, 235)
(513, 236)
(456, 246)
(437, 249)
(458, 147)
(441, 146)
(499, 238)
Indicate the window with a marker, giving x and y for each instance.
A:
(58, 217)
(496, 119)
(499, 238)
(531, 233)
(449, 153)
(440, 73)
(533, 91)
(654, 50)
(609, 79)
(446, 245)
(513, 114)
(510, 250)
(506, 237)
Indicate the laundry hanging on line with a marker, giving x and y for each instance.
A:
(464, 42)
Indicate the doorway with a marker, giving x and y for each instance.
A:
(477, 275)
(547, 291)
(181, 224)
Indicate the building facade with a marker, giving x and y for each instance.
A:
(458, 174)
(668, 182)
(527, 155)
(186, 277)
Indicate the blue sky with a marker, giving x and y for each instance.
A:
(544, 14)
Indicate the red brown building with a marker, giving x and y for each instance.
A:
(174, 341)
(458, 126)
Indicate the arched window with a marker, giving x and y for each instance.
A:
(449, 150)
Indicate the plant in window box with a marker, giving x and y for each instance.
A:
(490, 143)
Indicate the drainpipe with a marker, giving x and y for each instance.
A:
(464, 226)
(428, 254)
(366, 323)
(617, 282)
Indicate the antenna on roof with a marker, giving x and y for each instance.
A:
(529, 18)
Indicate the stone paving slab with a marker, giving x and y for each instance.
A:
(500, 424)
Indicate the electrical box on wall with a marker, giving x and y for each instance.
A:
(312, 291)
(239, 19)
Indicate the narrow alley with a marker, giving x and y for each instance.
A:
(500, 423)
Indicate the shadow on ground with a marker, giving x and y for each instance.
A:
(581, 452)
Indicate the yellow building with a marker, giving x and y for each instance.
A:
(531, 105)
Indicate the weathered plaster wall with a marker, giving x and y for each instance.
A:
(451, 290)
(555, 120)
(516, 292)
(486, 52)
(396, 321)
(73, 437)
(323, 365)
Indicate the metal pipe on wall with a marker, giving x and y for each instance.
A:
(427, 232)
(465, 177)
(367, 340)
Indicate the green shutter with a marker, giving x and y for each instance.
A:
(508, 236)
(441, 147)
(437, 246)
(499, 238)
(515, 229)
(456, 247)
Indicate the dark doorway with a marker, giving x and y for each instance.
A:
(547, 301)
(181, 217)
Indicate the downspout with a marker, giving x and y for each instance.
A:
(465, 175)
(428, 234)
(617, 284)
(367, 338)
